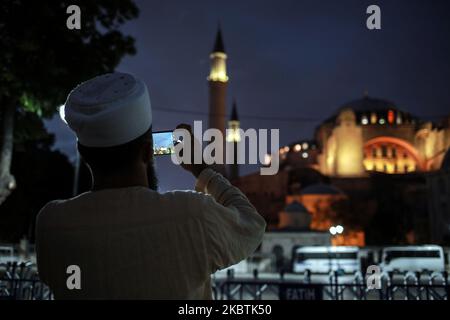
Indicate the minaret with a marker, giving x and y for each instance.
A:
(218, 80)
(234, 137)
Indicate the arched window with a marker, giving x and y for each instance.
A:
(391, 155)
(384, 151)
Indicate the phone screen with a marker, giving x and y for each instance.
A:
(163, 143)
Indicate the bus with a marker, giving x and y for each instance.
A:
(6, 254)
(413, 258)
(316, 259)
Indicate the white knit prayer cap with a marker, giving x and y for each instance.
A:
(108, 110)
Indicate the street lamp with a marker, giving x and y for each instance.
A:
(334, 230)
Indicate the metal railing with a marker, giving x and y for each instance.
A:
(21, 282)
(394, 286)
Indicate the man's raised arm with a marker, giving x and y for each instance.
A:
(234, 229)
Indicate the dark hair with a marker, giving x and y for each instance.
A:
(105, 160)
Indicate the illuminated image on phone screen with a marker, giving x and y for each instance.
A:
(163, 143)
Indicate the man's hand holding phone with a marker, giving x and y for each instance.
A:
(195, 169)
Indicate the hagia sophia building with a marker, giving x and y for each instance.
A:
(366, 140)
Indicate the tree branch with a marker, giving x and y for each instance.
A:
(7, 180)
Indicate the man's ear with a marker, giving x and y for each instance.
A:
(147, 152)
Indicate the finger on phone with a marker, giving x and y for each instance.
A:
(184, 126)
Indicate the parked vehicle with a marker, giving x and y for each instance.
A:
(413, 258)
(316, 259)
(6, 254)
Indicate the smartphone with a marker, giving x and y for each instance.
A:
(163, 143)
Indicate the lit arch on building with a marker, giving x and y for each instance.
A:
(391, 155)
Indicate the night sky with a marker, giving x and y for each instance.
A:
(296, 61)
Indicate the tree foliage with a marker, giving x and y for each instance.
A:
(41, 59)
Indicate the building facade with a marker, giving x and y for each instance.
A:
(381, 159)
(371, 134)
(367, 147)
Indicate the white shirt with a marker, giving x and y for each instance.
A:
(136, 243)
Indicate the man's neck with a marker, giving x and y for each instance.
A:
(119, 181)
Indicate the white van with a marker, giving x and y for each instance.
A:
(326, 259)
(6, 254)
(413, 258)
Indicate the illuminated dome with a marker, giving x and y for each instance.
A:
(370, 110)
(367, 104)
